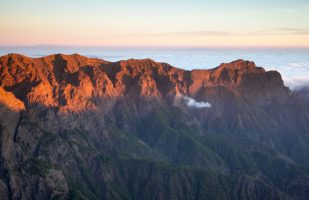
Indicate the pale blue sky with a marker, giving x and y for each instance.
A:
(155, 23)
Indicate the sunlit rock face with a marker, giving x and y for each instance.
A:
(78, 127)
(73, 82)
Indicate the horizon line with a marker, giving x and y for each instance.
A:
(149, 46)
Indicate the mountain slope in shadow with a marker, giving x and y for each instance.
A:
(80, 128)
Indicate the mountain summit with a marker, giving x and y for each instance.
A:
(74, 127)
(74, 82)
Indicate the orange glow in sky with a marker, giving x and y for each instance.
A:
(155, 23)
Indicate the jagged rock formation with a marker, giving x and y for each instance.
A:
(79, 128)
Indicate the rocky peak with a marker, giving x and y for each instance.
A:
(232, 73)
(73, 81)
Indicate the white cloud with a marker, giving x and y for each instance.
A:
(296, 82)
(190, 102)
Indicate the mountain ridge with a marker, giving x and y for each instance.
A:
(73, 70)
(73, 127)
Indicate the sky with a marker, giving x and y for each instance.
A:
(171, 23)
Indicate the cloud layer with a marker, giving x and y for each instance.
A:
(297, 82)
(219, 33)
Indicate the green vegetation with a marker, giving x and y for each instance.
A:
(167, 154)
(36, 166)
